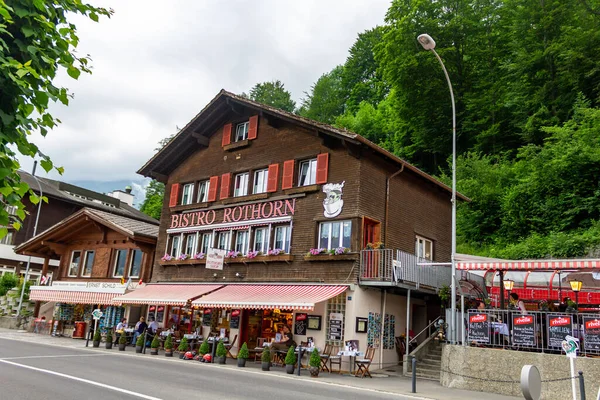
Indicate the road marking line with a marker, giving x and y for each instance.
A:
(102, 385)
(56, 356)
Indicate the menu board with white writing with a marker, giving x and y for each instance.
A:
(479, 328)
(559, 327)
(591, 333)
(206, 317)
(523, 330)
(335, 326)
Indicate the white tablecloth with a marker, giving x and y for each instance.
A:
(500, 328)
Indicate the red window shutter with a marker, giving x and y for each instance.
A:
(174, 195)
(225, 182)
(212, 188)
(226, 135)
(287, 182)
(253, 127)
(322, 168)
(273, 178)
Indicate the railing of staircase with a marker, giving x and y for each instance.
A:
(426, 329)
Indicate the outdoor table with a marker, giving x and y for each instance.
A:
(500, 327)
(351, 354)
(193, 339)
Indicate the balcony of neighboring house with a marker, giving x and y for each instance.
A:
(389, 267)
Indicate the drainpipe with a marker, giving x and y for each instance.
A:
(387, 202)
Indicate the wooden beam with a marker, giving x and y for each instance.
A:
(202, 140)
(271, 120)
(55, 247)
(352, 149)
(159, 177)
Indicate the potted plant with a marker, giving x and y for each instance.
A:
(183, 347)
(109, 338)
(266, 359)
(154, 345)
(169, 346)
(139, 343)
(204, 348)
(97, 338)
(122, 342)
(243, 355)
(221, 352)
(290, 360)
(314, 363)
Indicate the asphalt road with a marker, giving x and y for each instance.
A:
(34, 371)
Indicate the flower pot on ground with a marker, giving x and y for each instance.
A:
(109, 339)
(139, 343)
(314, 363)
(204, 348)
(122, 342)
(266, 359)
(169, 346)
(221, 353)
(183, 347)
(290, 360)
(243, 355)
(154, 345)
(97, 338)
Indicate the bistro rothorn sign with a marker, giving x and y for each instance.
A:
(249, 212)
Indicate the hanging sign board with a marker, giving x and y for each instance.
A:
(97, 314)
(591, 333)
(479, 328)
(215, 258)
(559, 327)
(523, 330)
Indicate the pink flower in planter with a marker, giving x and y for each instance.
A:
(317, 251)
(183, 257)
(166, 257)
(252, 254)
(276, 252)
(233, 254)
(199, 256)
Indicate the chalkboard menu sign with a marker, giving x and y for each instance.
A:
(559, 326)
(206, 317)
(234, 322)
(523, 330)
(160, 313)
(300, 324)
(479, 328)
(591, 333)
(335, 326)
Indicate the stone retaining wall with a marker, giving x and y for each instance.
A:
(492, 365)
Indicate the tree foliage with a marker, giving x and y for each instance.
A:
(36, 41)
(273, 94)
(153, 202)
(326, 100)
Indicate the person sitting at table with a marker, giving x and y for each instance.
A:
(120, 329)
(140, 327)
(514, 301)
(287, 339)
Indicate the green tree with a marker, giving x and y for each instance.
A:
(273, 94)
(36, 41)
(326, 100)
(153, 202)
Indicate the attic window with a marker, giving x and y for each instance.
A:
(241, 131)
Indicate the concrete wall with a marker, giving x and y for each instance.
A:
(505, 365)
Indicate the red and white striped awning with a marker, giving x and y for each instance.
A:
(71, 296)
(537, 265)
(294, 297)
(167, 294)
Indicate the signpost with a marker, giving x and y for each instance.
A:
(215, 258)
(96, 314)
(570, 345)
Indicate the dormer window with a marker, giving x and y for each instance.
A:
(241, 131)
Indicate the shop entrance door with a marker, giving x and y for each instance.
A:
(371, 235)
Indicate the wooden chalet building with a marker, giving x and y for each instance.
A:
(268, 186)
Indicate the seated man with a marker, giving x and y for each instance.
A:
(287, 340)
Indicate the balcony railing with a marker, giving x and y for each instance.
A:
(395, 266)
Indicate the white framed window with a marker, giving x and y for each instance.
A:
(335, 234)
(187, 196)
(281, 238)
(88, 263)
(261, 178)
(423, 248)
(241, 241)
(241, 185)
(223, 240)
(8, 239)
(241, 131)
(190, 245)
(175, 246)
(307, 173)
(119, 267)
(206, 242)
(261, 240)
(203, 191)
(74, 264)
(135, 265)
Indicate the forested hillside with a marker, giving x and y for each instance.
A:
(526, 77)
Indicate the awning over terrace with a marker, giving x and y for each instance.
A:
(529, 265)
(167, 294)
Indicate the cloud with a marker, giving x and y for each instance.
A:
(156, 64)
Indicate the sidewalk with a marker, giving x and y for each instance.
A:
(381, 381)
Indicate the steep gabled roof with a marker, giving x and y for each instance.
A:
(213, 115)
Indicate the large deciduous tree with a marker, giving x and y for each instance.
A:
(272, 94)
(327, 98)
(36, 41)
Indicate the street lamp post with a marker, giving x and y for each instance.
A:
(429, 44)
(576, 287)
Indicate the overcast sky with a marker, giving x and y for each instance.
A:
(157, 63)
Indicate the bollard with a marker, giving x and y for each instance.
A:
(213, 351)
(299, 358)
(414, 375)
(581, 385)
(145, 339)
(87, 341)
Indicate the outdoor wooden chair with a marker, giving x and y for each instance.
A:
(260, 345)
(325, 358)
(363, 364)
(229, 346)
(334, 358)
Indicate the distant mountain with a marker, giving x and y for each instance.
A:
(138, 187)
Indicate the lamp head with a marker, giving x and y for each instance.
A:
(576, 285)
(508, 285)
(426, 41)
